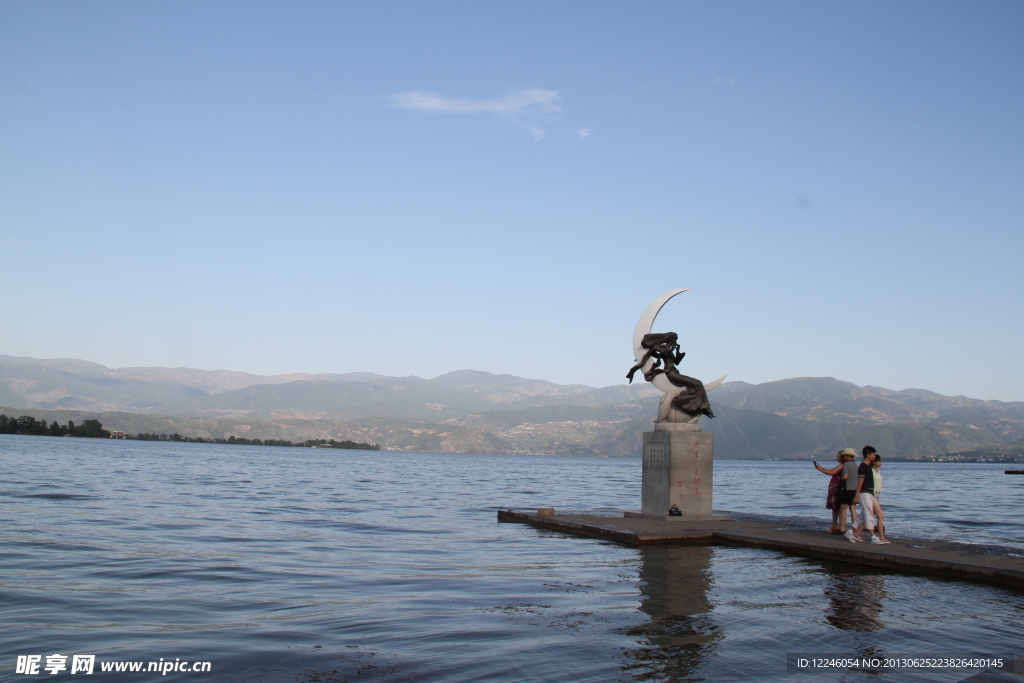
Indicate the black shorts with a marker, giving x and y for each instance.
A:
(846, 496)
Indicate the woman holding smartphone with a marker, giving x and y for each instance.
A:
(832, 501)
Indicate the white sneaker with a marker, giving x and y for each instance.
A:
(876, 539)
(849, 536)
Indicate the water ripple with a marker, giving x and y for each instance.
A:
(293, 565)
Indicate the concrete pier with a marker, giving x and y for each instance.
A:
(935, 558)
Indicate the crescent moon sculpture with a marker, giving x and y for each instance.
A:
(649, 362)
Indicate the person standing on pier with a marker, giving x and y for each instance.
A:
(879, 513)
(865, 497)
(848, 491)
(835, 486)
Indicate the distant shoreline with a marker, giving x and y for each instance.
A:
(469, 411)
(26, 425)
(1012, 460)
(944, 458)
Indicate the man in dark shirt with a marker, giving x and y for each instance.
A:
(866, 498)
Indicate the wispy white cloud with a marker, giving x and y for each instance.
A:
(584, 133)
(514, 104)
(530, 108)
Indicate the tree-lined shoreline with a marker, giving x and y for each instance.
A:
(89, 429)
(27, 425)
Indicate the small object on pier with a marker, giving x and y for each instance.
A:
(674, 511)
(545, 512)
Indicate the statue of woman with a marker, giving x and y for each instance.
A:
(691, 399)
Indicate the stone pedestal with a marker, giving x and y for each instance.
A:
(678, 469)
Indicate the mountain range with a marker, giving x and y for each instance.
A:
(473, 411)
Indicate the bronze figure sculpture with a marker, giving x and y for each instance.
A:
(691, 399)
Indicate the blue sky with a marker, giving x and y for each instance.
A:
(420, 187)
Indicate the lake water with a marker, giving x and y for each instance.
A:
(302, 565)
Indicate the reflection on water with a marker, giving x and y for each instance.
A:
(856, 604)
(681, 635)
(855, 601)
(735, 614)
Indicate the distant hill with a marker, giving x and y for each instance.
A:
(474, 411)
(81, 385)
(406, 397)
(46, 386)
(19, 369)
(830, 400)
(913, 423)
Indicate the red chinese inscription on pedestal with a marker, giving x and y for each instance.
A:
(696, 469)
